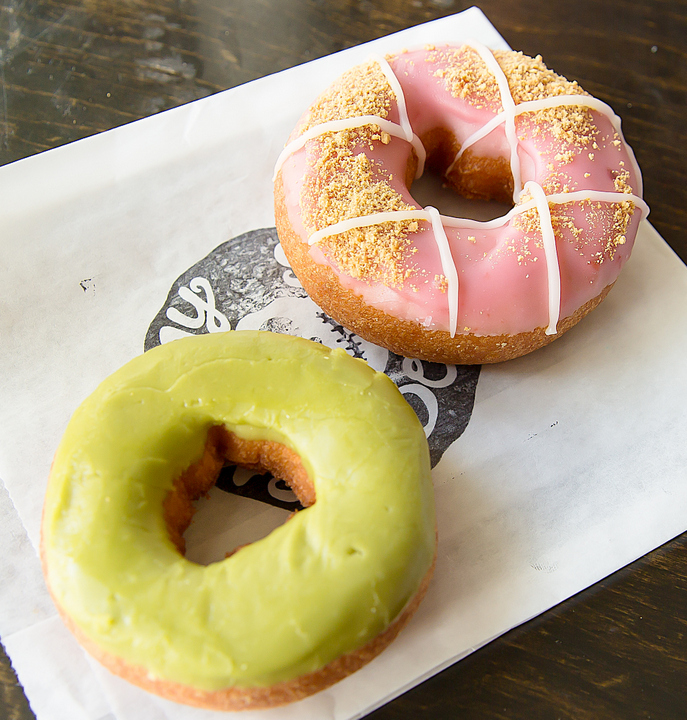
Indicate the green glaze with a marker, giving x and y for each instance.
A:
(321, 585)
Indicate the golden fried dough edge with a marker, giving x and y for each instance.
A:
(223, 446)
(404, 337)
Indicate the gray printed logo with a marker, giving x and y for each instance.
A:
(246, 283)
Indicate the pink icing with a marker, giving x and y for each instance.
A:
(504, 278)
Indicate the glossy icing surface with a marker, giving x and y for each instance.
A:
(323, 584)
(509, 278)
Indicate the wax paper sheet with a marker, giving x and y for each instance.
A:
(551, 471)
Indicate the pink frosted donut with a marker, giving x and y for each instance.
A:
(496, 125)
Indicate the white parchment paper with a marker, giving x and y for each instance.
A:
(572, 465)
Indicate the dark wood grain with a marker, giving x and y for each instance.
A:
(69, 69)
(616, 650)
(13, 702)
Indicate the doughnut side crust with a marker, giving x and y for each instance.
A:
(254, 698)
(405, 337)
(330, 589)
(283, 463)
(495, 125)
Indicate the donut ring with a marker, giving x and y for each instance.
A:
(497, 126)
(283, 617)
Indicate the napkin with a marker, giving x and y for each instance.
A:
(558, 469)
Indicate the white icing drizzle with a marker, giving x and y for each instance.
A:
(448, 265)
(539, 199)
(398, 93)
(511, 110)
(508, 105)
(465, 223)
(348, 124)
(534, 106)
(367, 221)
(553, 272)
(599, 196)
(404, 130)
(554, 199)
(429, 214)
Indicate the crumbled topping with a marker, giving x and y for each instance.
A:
(620, 181)
(363, 90)
(441, 282)
(528, 223)
(530, 79)
(622, 213)
(347, 184)
(466, 76)
(562, 222)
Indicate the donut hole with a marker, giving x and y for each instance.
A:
(224, 522)
(232, 521)
(478, 188)
(432, 189)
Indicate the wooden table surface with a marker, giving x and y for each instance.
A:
(72, 68)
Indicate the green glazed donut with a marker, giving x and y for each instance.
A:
(287, 615)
